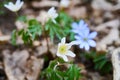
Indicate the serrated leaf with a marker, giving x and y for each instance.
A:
(22, 18)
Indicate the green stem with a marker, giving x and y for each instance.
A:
(46, 38)
(16, 14)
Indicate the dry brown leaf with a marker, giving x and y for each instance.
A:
(11, 63)
(5, 38)
(112, 34)
(112, 24)
(43, 48)
(78, 12)
(36, 65)
(44, 3)
(20, 25)
(18, 66)
(42, 17)
(116, 63)
(104, 5)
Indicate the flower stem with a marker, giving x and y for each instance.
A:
(47, 43)
(56, 66)
(16, 14)
(46, 38)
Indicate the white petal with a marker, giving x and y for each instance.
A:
(55, 15)
(87, 47)
(92, 35)
(65, 58)
(51, 10)
(17, 2)
(20, 5)
(63, 40)
(92, 43)
(58, 54)
(64, 3)
(10, 4)
(70, 53)
(62, 56)
(69, 46)
(53, 20)
(75, 42)
(9, 7)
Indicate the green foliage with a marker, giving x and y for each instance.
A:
(28, 34)
(101, 62)
(13, 37)
(2, 6)
(22, 19)
(53, 72)
(65, 20)
(54, 30)
(61, 29)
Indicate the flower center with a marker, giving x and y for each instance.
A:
(63, 49)
(85, 39)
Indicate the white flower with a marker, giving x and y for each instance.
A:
(64, 3)
(14, 7)
(52, 14)
(63, 49)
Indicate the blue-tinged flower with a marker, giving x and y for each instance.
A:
(85, 39)
(64, 49)
(79, 27)
(14, 7)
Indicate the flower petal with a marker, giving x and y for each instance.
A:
(78, 37)
(92, 35)
(68, 46)
(92, 43)
(63, 40)
(65, 58)
(17, 2)
(87, 47)
(74, 25)
(75, 42)
(20, 5)
(75, 31)
(9, 7)
(82, 45)
(53, 20)
(86, 33)
(71, 54)
(81, 23)
(81, 34)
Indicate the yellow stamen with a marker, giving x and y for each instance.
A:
(63, 49)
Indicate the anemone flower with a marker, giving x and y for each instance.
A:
(52, 14)
(79, 27)
(85, 39)
(14, 7)
(64, 49)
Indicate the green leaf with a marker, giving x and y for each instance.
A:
(13, 37)
(73, 73)
(22, 18)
